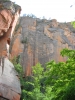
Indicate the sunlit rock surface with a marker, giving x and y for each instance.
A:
(9, 82)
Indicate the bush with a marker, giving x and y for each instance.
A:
(70, 92)
(56, 82)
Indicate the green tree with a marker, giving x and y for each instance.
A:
(55, 82)
(61, 76)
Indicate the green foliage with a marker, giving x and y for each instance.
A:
(70, 92)
(61, 75)
(69, 53)
(26, 82)
(73, 23)
(17, 65)
(55, 82)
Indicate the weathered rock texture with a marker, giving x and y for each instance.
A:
(9, 15)
(16, 47)
(9, 83)
(42, 41)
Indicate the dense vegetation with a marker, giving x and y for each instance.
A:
(54, 82)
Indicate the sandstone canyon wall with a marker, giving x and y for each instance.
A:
(9, 82)
(41, 41)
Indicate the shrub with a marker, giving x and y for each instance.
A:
(56, 82)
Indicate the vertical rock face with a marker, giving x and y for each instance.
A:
(9, 15)
(43, 40)
(9, 83)
(16, 47)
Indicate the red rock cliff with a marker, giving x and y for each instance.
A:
(42, 41)
(9, 83)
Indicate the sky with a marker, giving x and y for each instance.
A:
(54, 9)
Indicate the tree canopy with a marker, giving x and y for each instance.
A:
(54, 82)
